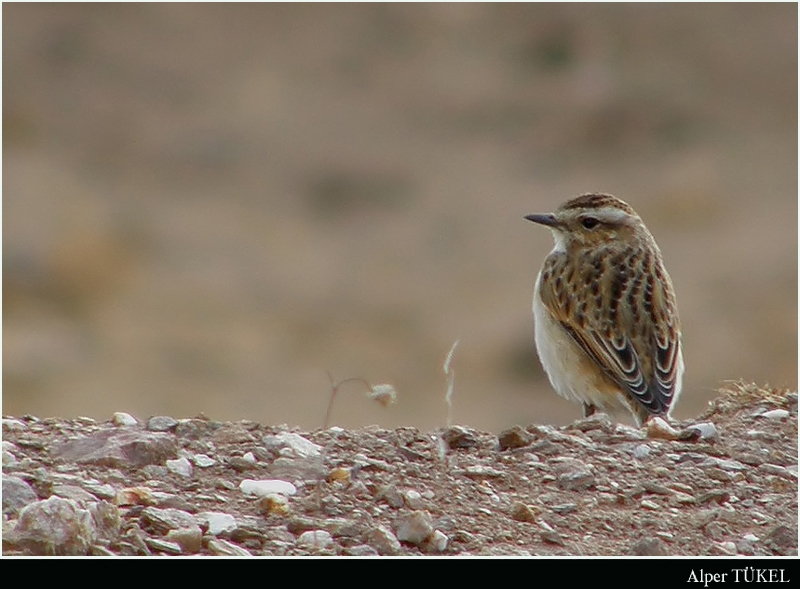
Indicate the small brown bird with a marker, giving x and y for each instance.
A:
(606, 322)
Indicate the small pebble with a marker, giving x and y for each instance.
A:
(190, 539)
(414, 528)
(180, 466)
(221, 547)
(315, 539)
(390, 495)
(13, 424)
(135, 496)
(659, 429)
(553, 538)
(263, 488)
(121, 419)
(480, 471)
(648, 547)
(727, 548)
(515, 437)
(733, 465)
(217, 522)
(203, 460)
(340, 475)
(437, 542)
(295, 445)
(683, 498)
(274, 504)
(9, 458)
(706, 431)
(413, 499)
(383, 540)
(460, 437)
(16, 494)
(775, 414)
(161, 423)
(524, 513)
(162, 545)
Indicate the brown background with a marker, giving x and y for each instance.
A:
(207, 207)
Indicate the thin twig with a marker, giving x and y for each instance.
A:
(335, 389)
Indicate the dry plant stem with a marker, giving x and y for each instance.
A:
(451, 378)
(335, 389)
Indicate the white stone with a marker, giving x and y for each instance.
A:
(658, 428)
(750, 538)
(13, 424)
(203, 460)
(299, 446)
(121, 418)
(217, 522)
(180, 466)
(9, 459)
(438, 541)
(775, 414)
(413, 499)
(267, 487)
(315, 539)
(707, 430)
(383, 540)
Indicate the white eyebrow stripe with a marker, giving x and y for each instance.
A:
(611, 214)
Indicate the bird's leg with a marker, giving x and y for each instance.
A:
(588, 409)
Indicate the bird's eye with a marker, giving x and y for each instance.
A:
(589, 222)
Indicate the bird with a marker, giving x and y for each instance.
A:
(606, 321)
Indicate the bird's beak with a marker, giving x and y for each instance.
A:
(548, 220)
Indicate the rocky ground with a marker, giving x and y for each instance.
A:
(196, 486)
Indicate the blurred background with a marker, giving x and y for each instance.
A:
(208, 207)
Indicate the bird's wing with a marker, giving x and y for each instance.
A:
(646, 363)
(668, 365)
